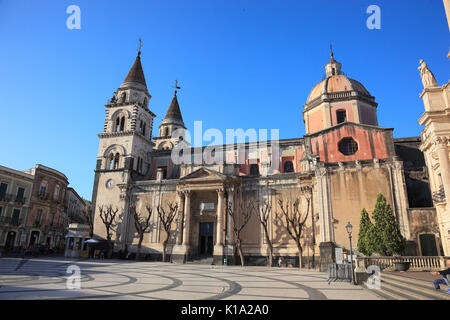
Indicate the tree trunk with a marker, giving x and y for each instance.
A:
(241, 254)
(266, 232)
(164, 251)
(271, 257)
(138, 253)
(108, 254)
(300, 256)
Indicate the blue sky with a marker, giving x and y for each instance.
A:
(241, 64)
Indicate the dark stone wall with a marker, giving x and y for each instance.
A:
(415, 171)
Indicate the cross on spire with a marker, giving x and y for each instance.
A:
(140, 46)
(331, 51)
(176, 86)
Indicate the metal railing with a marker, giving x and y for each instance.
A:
(10, 221)
(6, 197)
(20, 200)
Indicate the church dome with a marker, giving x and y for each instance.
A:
(337, 83)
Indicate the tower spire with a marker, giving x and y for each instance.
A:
(176, 87)
(136, 73)
(140, 46)
(331, 52)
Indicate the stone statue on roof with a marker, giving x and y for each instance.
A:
(427, 76)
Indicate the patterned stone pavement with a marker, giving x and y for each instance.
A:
(46, 278)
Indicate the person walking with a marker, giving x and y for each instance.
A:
(24, 250)
(445, 277)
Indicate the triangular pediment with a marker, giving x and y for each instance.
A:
(204, 174)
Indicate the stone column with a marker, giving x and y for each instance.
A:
(180, 217)
(229, 247)
(187, 217)
(220, 216)
(180, 251)
(230, 233)
(441, 148)
(218, 248)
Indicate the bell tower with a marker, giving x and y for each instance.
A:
(173, 121)
(125, 145)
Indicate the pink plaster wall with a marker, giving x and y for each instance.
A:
(348, 109)
(360, 135)
(315, 121)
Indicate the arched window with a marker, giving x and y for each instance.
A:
(348, 146)
(145, 102)
(341, 116)
(288, 167)
(117, 126)
(111, 160)
(116, 161)
(122, 123)
(254, 169)
(166, 134)
(143, 128)
(124, 96)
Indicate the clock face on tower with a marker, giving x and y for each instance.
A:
(110, 183)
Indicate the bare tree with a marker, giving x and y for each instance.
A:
(166, 217)
(295, 219)
(263, 214)
(245, 210)
(108, 216)
(142, 224)
(89, 220)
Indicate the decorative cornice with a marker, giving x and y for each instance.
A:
(340, 96)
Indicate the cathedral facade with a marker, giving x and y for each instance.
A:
(335, 170)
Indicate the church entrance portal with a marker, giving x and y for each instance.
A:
(206, 244)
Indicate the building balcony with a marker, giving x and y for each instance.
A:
(21, 200)
(6, 197)
(37, 224)
(10, 221)
(43, 196)
(439, 196)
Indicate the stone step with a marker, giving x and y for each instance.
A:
(407, 279)
(201, 260)
(420, 289)
(395, 287)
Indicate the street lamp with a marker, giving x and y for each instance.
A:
(349, 228)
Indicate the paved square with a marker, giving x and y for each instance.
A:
(46, 278)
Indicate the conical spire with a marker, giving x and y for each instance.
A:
(174, 109)
(136, 73)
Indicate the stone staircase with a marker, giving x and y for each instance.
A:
(208, 260)
(398, 287)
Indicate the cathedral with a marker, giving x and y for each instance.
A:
(335, 170)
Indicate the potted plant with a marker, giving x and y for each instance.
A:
(401, 265)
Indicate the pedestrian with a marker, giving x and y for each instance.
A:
(102, 255)
(24, 249)
(280, 261)
(445, 277)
